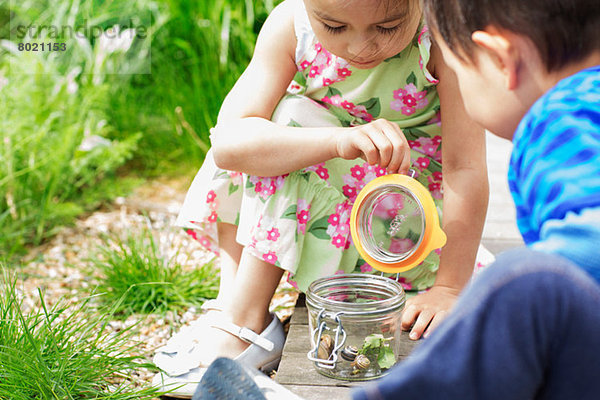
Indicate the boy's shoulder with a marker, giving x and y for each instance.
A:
(573, 104)
(582, 88)
(555, 162)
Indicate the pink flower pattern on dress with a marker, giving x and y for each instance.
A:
(267, 186)
(303, 65)
(404, 283)
(334, 219)
(323, 173)
(339, 241)
(338, 228)
(273, 234)
(357, 172)
(435, 185)
(237, 178)
(421, 163)
(270, 257)
(408, 99)
(212, 217)
(192, 233)
(358, 111)
(365, 268)
(359, 176)
(320, 170)
(428, 146)
(344, 72)
(203, 240)
(302, 215)
(292, 282)
(322, 63)
(211, 196)
(294, 88)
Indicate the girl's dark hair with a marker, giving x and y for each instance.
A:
(563, 31)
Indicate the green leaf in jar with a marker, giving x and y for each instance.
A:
(386, 357)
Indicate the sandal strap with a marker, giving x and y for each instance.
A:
(212, 305)
(246, 334)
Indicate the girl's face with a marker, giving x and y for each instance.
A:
(364, 32)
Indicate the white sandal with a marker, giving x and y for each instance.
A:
(189, 334)
(181, 370)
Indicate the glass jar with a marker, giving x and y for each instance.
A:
(354, 323)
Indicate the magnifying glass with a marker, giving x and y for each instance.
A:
(395, 224)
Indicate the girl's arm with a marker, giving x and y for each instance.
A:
(245, 140)
(466, 194)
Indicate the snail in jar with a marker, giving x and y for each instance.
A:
(325, 347)
(361, 362)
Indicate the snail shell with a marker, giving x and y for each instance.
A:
(325, 347)
(349, 353)
(361, 362)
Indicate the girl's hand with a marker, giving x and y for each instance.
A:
(379, 142)
(428, 310)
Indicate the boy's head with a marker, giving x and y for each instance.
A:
(507, 53)
(364, 32)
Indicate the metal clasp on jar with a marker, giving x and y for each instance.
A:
(318, 334)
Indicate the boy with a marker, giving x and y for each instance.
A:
(529, 327)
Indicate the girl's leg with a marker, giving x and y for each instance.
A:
(230, 254)
(248, 302)
(255, 285)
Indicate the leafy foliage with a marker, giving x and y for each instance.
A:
(153, 101)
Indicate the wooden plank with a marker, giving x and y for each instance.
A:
(501, 230)
(300, 316)
(497, 246)
(320, 392)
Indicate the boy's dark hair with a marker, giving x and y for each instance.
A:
(563, 31)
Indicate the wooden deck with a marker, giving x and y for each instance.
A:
(297, 373)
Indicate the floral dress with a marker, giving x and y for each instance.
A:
(300, 221)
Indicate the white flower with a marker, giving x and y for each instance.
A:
(72, 86)
(113, 40)
(83, 43)
(11, 47)
(91, 142)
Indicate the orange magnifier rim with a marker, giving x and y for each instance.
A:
(433, 236)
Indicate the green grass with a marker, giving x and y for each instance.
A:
(197, 55)
(139, 277)
(64, 353)
(158, 123)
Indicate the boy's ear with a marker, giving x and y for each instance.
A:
(502, 52)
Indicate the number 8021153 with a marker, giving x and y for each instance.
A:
(42, 46)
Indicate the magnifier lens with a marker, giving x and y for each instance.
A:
(391, 223)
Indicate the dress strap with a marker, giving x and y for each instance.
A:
(424, 43)
(304, 33)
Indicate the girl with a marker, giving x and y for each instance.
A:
(288, 160)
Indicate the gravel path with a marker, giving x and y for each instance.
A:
(60, 267)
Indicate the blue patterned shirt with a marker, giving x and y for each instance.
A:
(554, 173)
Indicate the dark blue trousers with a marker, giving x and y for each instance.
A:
(527, 328)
